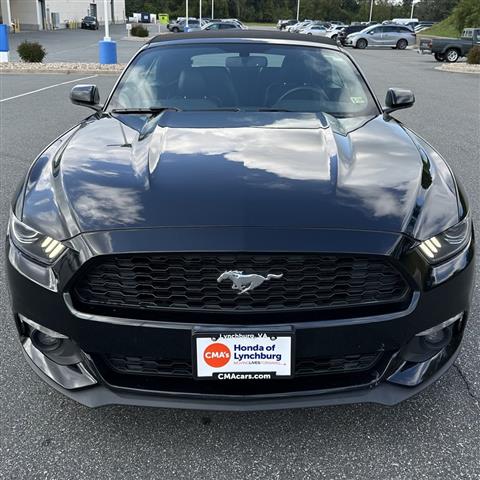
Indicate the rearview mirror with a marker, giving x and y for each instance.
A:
(86, 95)
(397, 98)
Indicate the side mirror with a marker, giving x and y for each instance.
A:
(397, 99)
(86, 95)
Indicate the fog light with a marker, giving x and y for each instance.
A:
(428, 343)
(44, 342)
(57, 356)
(435, 337)
(438, 328)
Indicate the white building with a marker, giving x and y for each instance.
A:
(51, 14)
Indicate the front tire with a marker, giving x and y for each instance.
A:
(402, 44)
(175, 30)
(452, 55)
(361, 44)
(439, 57)
(334, 38)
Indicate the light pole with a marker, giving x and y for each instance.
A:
(213, 8)
(200, 12)
(413, 7)
(106, 38)
(298, 10)
(186, 15)
(371, 11)
(107, 49)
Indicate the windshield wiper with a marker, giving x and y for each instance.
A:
(153, 110)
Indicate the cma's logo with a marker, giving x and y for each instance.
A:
(217, 355)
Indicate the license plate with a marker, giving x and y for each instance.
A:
(243, 355)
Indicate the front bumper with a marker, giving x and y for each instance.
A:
(439, 294)
(384, 393)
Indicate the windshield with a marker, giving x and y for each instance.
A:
(246, 76)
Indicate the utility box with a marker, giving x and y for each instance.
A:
(145, 17)
(163, 18)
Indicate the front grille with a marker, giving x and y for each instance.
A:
(311, 374)
(139, 365)
(151, 282)
(347, 364)
(148, 365)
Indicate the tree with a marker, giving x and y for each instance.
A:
(434, 10)
(467, 14)
(271, 10)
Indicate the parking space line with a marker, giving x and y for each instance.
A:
(46, 88)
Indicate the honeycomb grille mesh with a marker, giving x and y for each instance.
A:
(147, 365)
(189, 282)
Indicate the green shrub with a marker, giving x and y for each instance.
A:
(31, 52)
(474, 55)
(139, 31)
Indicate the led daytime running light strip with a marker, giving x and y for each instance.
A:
(430, 247)
(53, 248)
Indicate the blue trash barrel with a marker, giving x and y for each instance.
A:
(107, 52)
(4, 46)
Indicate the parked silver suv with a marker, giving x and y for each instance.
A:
(395, 36)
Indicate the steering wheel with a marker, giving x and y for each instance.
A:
(317, 91)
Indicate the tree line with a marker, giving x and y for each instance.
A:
(272, 10)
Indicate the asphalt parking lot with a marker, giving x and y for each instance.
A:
(78, 45)
(434, 435)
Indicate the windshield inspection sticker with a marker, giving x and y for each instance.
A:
(358, 99)
(244, 356)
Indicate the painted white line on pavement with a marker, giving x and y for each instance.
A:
(46, 88)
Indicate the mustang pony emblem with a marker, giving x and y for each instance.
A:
(245, 283)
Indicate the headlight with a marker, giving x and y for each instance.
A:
(445, 245)
(34, 244)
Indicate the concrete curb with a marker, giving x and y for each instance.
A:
(459, 68)
(64, 68)
(138, 39)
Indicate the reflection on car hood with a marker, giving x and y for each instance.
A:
(245, 169)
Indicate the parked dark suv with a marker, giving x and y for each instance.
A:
(342, 34)
(90, 23)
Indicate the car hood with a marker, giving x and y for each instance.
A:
(242, 170)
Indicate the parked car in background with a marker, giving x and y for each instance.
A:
(394, 36)
(237, 21)
(193, 26)
(404, 21)
(283, 24)
(314, 29)
(333, 31)
(221, 26)
(345, 31)
(451, 49)
(176, 26)
(89, 23)
(424, 24)
(299, 26)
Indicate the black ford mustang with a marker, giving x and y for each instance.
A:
(241, 226)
